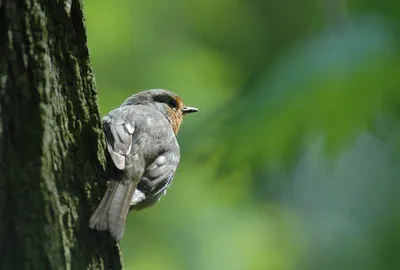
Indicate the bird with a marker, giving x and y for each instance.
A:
(143, 154)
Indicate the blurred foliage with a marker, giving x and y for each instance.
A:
(293, 161)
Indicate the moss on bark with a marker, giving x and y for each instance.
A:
(51, 144)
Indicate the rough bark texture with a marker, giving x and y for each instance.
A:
(51, 144)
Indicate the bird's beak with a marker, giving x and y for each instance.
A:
(187, 109)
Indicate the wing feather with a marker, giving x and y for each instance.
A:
(119, 138)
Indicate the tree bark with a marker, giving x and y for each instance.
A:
(51, 142)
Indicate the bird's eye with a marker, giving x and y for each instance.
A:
(172, 103)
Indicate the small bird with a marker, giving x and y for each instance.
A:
(143, 153)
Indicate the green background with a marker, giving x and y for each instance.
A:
(293, 161)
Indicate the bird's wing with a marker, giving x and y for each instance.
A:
(119, 137)
(156, 179)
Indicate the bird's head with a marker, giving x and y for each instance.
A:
(167, 102)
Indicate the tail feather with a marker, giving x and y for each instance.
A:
(99, 219)
(119, 209)
(113, 209)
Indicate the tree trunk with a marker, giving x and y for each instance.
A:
(51, 143)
